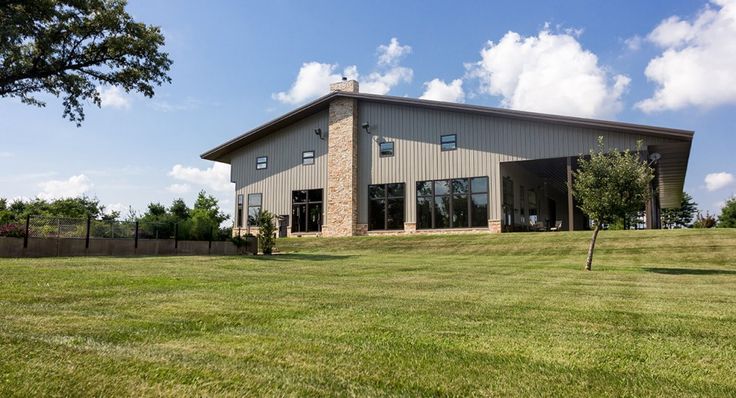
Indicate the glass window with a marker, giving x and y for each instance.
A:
(424, 212)
(308, 157)
(306, 210)
(448, 142)
(386, 149)
(456, 203)
(240, 211)
(261, 162)
(386, 206)
(254, 207)
(479, 210)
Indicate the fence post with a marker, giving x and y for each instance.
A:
(86, 236)
(25, 236)
(136, 234)
(212, 232)
(176, 235)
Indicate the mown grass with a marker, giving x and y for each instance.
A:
(484, 315)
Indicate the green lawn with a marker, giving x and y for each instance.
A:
(484, 315)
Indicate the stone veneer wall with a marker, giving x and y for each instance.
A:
(494, 226)
(341, 216)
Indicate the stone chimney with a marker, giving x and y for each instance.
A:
(341, 212)
(350, 86)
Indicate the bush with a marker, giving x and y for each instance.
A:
(266, 231)
(12, 231)
(706, 221)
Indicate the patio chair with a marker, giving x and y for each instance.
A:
(557, 227)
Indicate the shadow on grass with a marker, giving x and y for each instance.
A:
(302, 256)
(690, 271)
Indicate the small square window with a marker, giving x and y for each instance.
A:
(308, 157)
(386, 149)
(261, 162)
(448, 142)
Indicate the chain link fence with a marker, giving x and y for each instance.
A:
(87, 228)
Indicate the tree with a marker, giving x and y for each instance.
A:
(266, 231)
(727, 218)
(179, 210)
(610, 185)
(705, 221)
(205, 218)
(71, 47)
(680, 217)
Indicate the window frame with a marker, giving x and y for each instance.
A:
(453, 142)
(380, 150)
(259, 163)
(385, 199)
(307, 202)
(304, 157)
(249, 206)
(451, 194)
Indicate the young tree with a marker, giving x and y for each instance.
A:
(71, 47)
(206, 217)
(266, 231)
(610, 185)
(727, 218)
(680, 217)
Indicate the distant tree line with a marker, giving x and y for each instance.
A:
(203, 221)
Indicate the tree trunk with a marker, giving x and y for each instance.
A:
(589, 261)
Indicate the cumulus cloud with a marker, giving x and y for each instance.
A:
(696, 67)
(438, 90)
(391, 53)
(550, 72)
(716, 181)
(634, 43)
(113, 97)
(179, 188)
(314, 78)
(216, 177)
(70, 188)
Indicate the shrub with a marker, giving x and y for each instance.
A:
(706, 221)
(266, 231)
(12, 230)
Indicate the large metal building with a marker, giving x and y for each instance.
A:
(350, 163)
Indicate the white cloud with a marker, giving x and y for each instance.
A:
(548, 73)
(392, 53)
(716, 181)
(5, 155)
(216, 177)
(115, 207)
(70, 188)
(634, 43)
(113, 97)
(179, 188)
(696, 67)
(438, 90)
(314, 78)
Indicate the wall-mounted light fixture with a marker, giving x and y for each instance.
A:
(319, 133)
(366, 126)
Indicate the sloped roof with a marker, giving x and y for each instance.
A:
(221, 152)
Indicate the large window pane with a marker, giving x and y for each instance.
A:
(377, 214)
(299, 218)
(299, 196)
(315, 195)
(395, 190)
(376, 191)
(460, 186)
(479, 210)
(442, 187)
(254, 199)
(424, 188)
(253, 214)
(314, 221)
(442, 212)
(424, 212)
(478, 185)
(460, 211)
(395, 213)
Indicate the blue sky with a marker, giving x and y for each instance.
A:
(237, 64)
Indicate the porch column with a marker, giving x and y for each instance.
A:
(570, 208)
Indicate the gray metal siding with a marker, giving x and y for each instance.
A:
(285, 172)
(483, 142)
